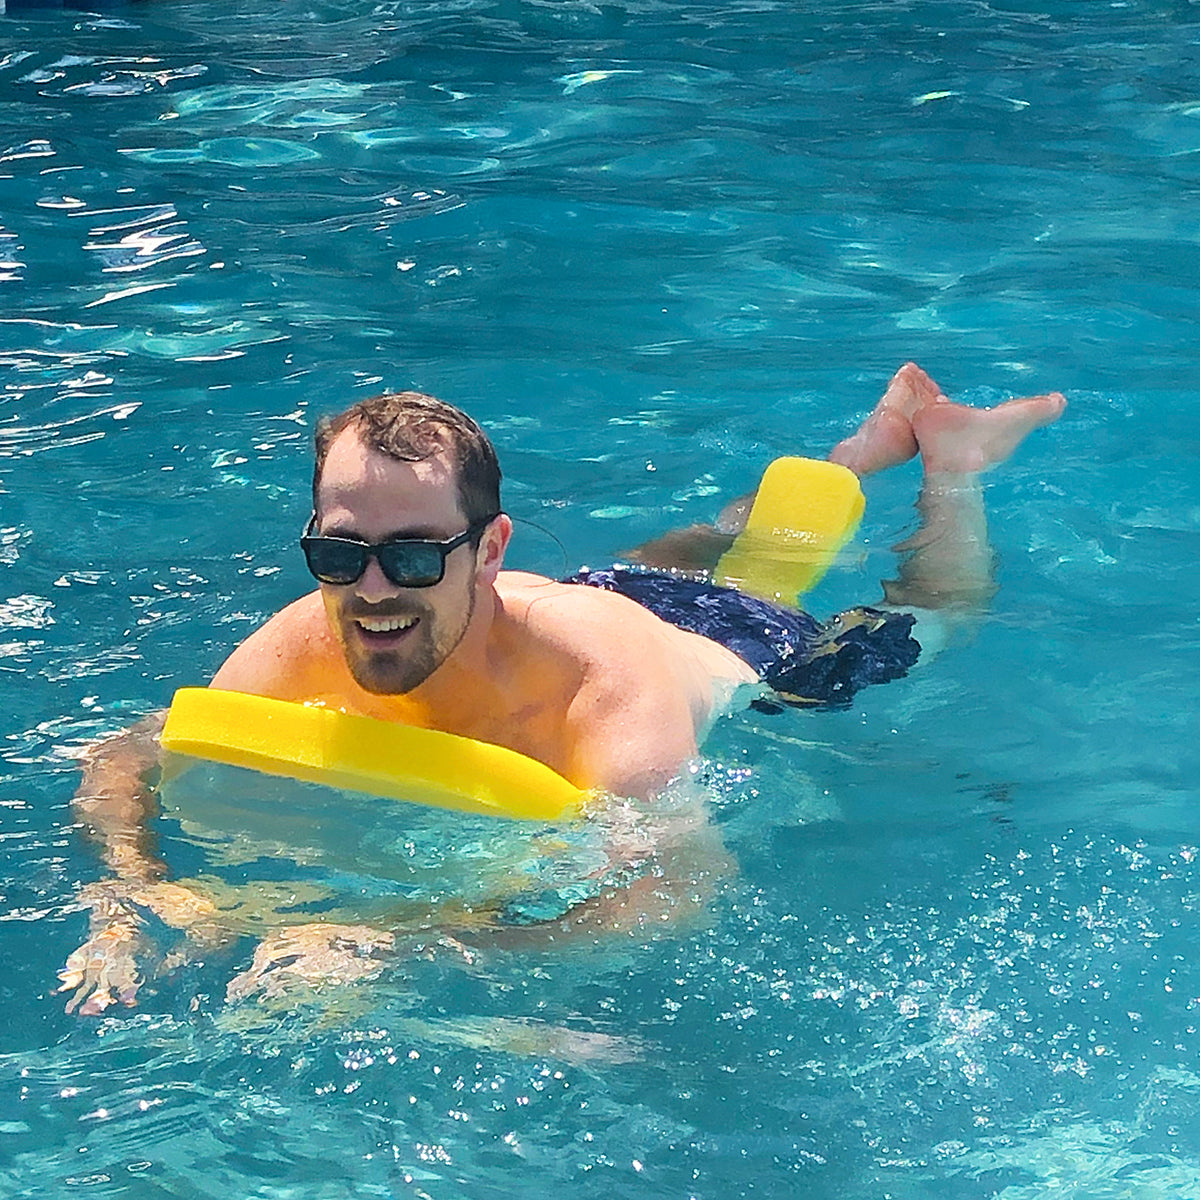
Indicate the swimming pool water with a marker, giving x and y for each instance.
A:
(650, 245)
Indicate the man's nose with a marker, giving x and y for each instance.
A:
(373, 584)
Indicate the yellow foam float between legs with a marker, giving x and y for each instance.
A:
(805, 511)
(341, 750)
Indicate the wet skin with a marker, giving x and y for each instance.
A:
(394, 638)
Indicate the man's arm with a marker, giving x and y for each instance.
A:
(114, 801)
(115, 798)
(626, 745)
(648, 692)
(622, 695)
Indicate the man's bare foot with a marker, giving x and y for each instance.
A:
(959, 440)
(886, 437)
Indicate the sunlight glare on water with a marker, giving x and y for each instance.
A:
(650, 246)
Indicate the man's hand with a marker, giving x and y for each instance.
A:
(307, 956)
(104, 971)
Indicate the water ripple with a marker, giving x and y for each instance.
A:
(24, 440)
(26, 612)
(149, 235)
(64, 375)
(376, 212)
(34, 148)
(11, 60)
(10, 266)
(114, 75)
(288, 106)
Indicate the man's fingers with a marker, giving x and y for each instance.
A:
(70, 979)
(241, 986)
(102, 972)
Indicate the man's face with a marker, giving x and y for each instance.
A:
(394, 638)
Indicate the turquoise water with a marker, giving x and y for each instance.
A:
(650, 246)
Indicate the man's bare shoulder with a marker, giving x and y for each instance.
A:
(287, 657)
(640, 688)
(615, 639)
(586, 621)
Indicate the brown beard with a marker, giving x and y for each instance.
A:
(388, 674)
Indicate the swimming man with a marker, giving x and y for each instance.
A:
(415, 621)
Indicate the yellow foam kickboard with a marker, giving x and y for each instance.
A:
(805, 511)
(382, 758)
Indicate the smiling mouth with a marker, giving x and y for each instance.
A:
(384, 626)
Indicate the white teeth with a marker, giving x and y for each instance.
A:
(386, 624)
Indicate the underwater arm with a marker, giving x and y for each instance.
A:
(114, 801)
(115, 798)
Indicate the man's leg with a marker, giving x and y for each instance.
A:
(947, 563)
(886, 437)
(953, 440)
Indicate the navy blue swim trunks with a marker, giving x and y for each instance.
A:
(804, 660)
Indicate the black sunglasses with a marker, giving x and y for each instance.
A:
(406, 562)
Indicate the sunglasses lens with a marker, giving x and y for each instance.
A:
(407, 563)
(334, 561)
(412, 564)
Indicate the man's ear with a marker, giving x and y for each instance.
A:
(492, 546)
